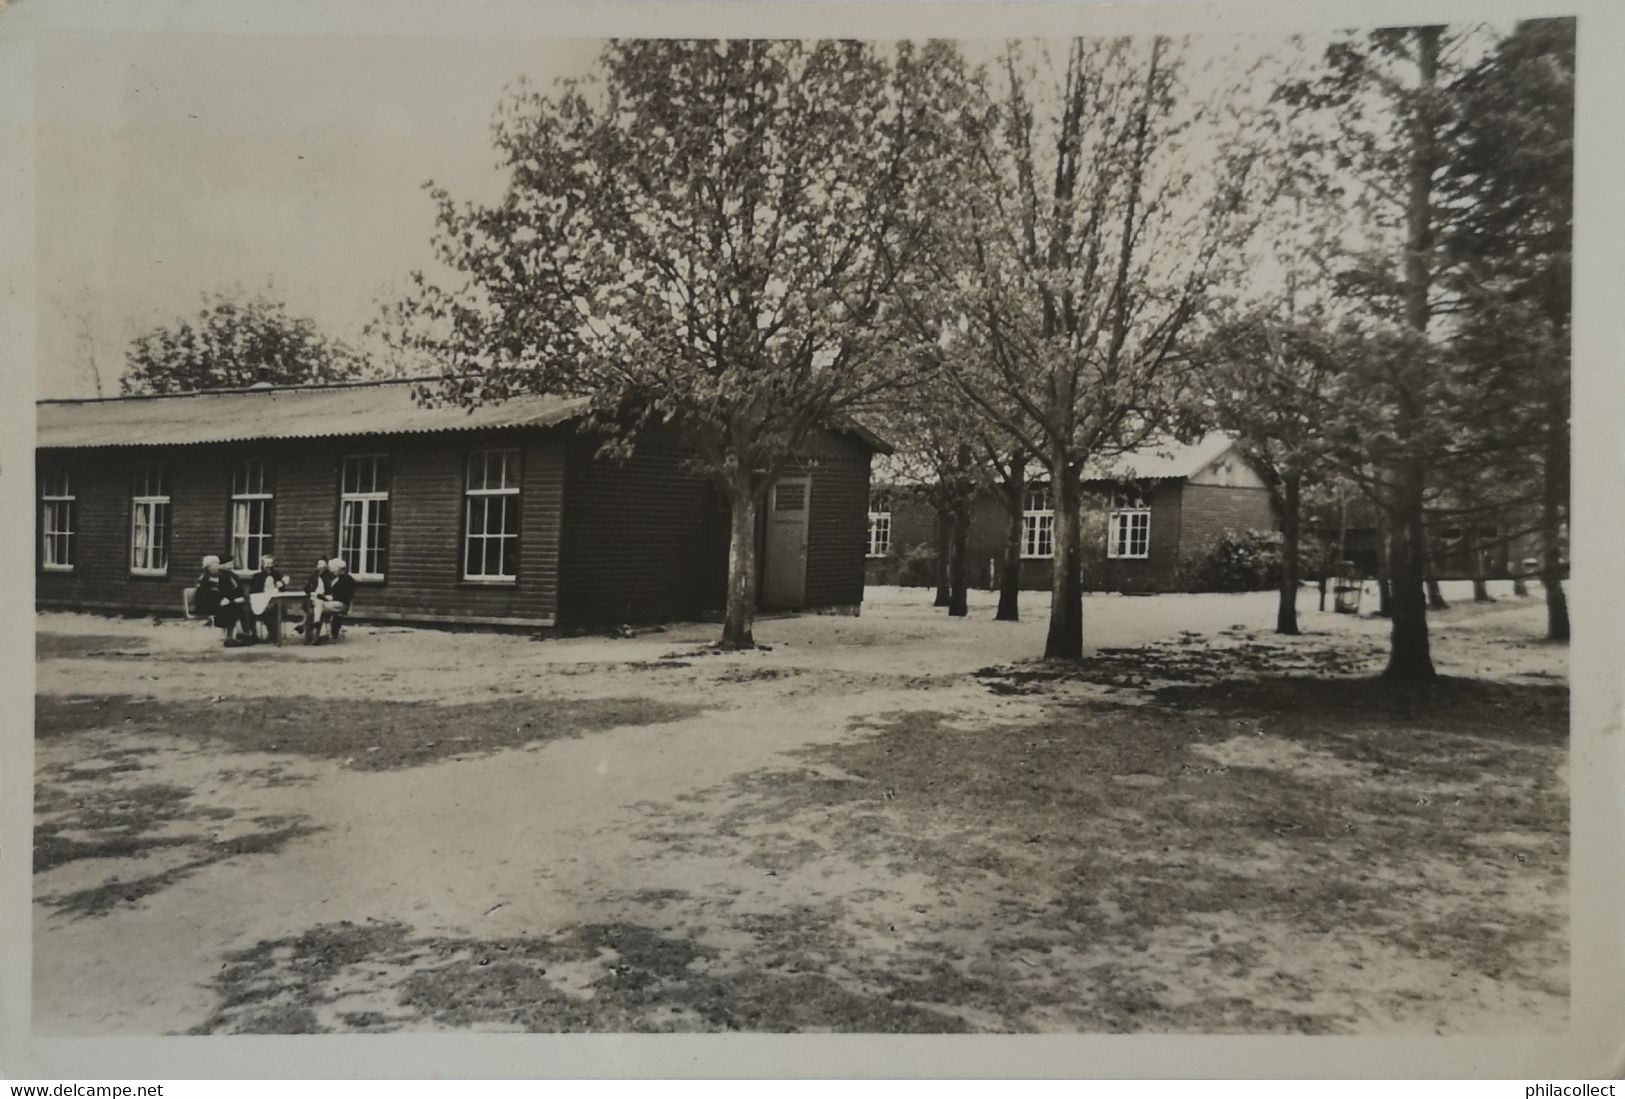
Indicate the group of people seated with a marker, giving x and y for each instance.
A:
(237, 607)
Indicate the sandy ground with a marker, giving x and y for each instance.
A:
(531, 845)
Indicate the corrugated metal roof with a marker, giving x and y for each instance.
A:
(1161, 460)
(302, 412)
(295, 412)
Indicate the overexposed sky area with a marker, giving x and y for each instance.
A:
(173, 164)
(169, 165)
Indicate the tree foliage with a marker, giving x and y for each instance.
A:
(1512, 185)
(1096, 201)
(702, 237)
(1269, 380)
(236, 341)
(1448, 150)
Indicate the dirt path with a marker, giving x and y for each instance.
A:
(731, 858)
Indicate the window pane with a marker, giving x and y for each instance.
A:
(160, 536)
(379, 540)
(57, 524)
(140, 539)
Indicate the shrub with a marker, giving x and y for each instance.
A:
(908, 566)
(1238, 561)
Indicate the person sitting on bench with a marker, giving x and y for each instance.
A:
(317, 585)
(220, 596)
(341, 594)
(333, 603)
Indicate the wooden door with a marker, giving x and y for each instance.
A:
(784, 570)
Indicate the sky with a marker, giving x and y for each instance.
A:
(170, 165)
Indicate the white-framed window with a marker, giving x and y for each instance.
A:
(491, 516)
(149, 521)
(1128, 527)
(1038, 522)
(364, 515)
(253, 502)
(879, 524)
(57, 505)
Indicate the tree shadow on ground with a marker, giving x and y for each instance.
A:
(1477, 708)
(1219, 850)
(366, 734)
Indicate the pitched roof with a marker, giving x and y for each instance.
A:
(300, 412)
(1164, 459)
(279, 412)
(1160, 460)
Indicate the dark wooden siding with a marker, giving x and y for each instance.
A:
(424, 574)
(1159, 571)
(602, 540)
(638, 534)
(838, 519)
(646, 539)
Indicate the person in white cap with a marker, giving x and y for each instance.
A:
(331, 603)
(220, 596)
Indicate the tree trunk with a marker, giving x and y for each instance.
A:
(1385, 587)
(1435, 596)
(1481, 569)
(1431, 571)
(1520, 586)
(943, 537)
(1065, 639)
(741, 607)
(1409, 657)
(1010, 581)
(1408, 654)
(1286, 616)
(1554, 493)
(958, 562)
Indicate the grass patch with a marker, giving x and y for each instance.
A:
(587, 977)
(99, 812)
(1191, 658)
(120, 822)
(99, 900)
(1146, 862)
(366, 735)
(66, 646)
